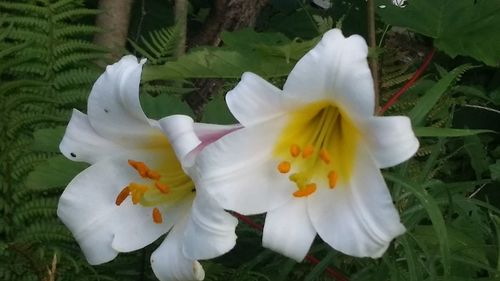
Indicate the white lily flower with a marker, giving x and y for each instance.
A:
(399, 3)
(136, 189)
(309, 155)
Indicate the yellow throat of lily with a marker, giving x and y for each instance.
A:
(164, 186)
(317, 147)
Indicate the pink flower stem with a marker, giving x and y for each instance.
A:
(410, 82)
(310, 258)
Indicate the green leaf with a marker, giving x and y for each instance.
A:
(459, 27)
(55, 172)
(163, 105)
(477, 154)
(216, 111)
(320, 267)
(446, 132)
(268, 55)
(425, 103)
(48, 139)
(435, 216)
(495, 170)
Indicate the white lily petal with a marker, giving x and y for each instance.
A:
(288, 230)
(227, 170)
(337, 70)
(255, 100)
(357, 218)
(180, 132)
(390, 139)
(87, 207)
(189, 138)
(168, 261)
(114, 109)
(82, 143)
(210, 231)
(209, 133)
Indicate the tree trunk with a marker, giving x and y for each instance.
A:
(114, 21)
(225, 15)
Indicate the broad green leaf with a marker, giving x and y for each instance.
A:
(430, 98)
(163, 105)
(48, 139)
(495, 170)
(435, 216)
(459, 27)
(446, 132)
(216, 111)
(55, 172)
(268, 55)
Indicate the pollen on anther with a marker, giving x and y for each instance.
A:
(284, 167)
(122, 196)
(307, 190)
(153, 175)
(325, 156)
(157, 218)
(163, 188)
(308, 151)
(140, 167)
(294, 150)
(332, 179)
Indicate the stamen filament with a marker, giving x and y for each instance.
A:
(163, 188)
(137, 191)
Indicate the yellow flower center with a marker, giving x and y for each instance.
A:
(165, 186)
(317, 147)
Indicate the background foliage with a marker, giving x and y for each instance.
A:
(447, 194)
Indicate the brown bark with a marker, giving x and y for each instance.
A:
(225, 15)
(114, 21)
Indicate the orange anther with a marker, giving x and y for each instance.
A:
(308, 151)
(325, 156)
(163, 188)
(122, 196)
(140, 167)
(157, 218)
(153, 175)
(306, 190)
(332, 179)
(294, 150)
(284, 167)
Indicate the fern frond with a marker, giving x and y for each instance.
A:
(28, 119)
(73, 30)
(71, 14)
(29, 22)
(22, 8)
(159, 45)
(75, 58)
(36, 209)
(73, 45)
(74, 77)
